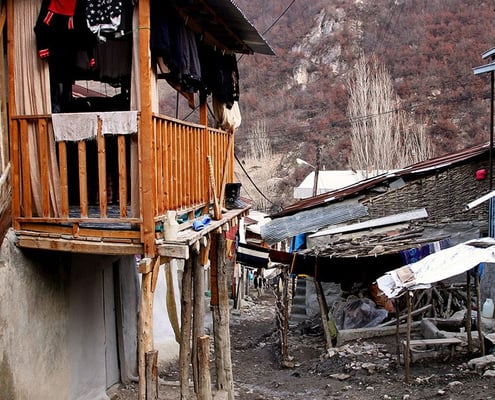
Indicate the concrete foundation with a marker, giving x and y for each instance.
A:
(68, 323)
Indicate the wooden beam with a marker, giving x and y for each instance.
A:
(174, 251)
(79, 246)
(324, 314)
(145, 265)
(217, 213)
(155, 272)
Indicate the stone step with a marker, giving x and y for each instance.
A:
(299, 300)
(298, 309)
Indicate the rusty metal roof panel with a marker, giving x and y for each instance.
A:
(423, 167)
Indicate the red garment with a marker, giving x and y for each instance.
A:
(63, 7)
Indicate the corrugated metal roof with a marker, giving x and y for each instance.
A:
(424, 167)
(310, 221)
(223, 23)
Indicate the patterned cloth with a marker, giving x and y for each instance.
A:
(104, 16)
(415, 254)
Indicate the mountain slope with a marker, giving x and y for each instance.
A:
(300, 95)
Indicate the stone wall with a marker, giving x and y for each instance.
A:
(444, 195)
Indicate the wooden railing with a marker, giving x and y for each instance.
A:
(183, 181)
(94, 183)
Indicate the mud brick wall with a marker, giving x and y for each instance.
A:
(444, 194)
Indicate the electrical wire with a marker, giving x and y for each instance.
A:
(273, 23)
(252, 182)
(347, 121)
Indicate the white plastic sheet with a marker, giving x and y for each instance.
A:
(438, 266)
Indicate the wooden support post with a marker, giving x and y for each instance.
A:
(186, 324)
(171, 305)
(217, 212)
(145, 332)
(220, 310)
(230, 147)
(198, 314)
(152, 375)
(407, 351)
(469, 321)
(478, 307)
(146, 140)
(324, 313)
(397, 329)
(285, 317)
(204, 378)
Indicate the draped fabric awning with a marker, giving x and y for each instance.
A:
(438, 266)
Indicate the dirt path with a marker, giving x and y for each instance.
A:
(358, 370)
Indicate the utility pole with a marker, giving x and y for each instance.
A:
(317, 170)
(490, 67)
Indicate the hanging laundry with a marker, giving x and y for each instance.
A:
(173, 47)
(254, 256)
(61, 32)
(164, 40)
(104, 16)
(220, 75)
(225, 118)
(60, 28)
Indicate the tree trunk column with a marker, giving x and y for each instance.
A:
(186, 329)
(220, 311)
(149, 268)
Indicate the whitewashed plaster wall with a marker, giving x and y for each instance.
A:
(52, 329)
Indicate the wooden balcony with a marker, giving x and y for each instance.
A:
(86, 195)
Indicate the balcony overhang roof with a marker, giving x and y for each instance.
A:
(224, 25)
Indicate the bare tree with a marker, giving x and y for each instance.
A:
(259, 143)
(383, 137)
(260, 162)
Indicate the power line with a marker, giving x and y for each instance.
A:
(348, 121)
(251, 180)
(273, 23)
(278, 18)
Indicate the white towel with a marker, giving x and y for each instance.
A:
(118, 122)
(74, 126)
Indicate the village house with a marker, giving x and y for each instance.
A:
(351, 236)
(102, 191)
